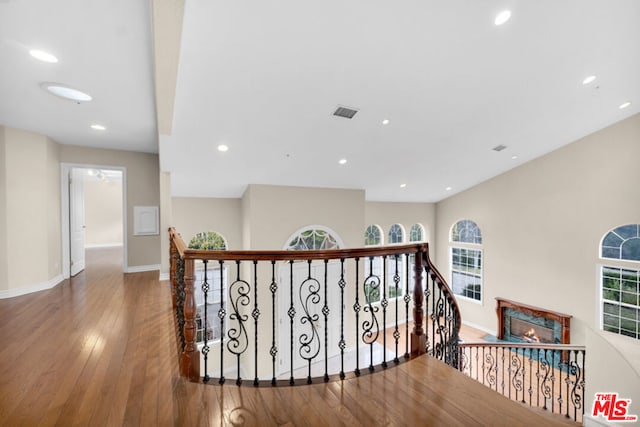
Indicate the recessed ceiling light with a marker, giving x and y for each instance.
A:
(98, 127)
(514, 157)
(403, 185)
(43, 56)
(342, 161)
(66, 92)
(223, 148)
(502, 17)
(385, 122)
(588, 80)
(448, 189)
(624, 105)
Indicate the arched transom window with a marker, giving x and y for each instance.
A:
(620, 281)
(416, 233)
(208, 240)
(396, 234)
(313, 238)
(373, 235)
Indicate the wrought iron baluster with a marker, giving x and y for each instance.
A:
(239, 295)
(342, 283)
(309, 294)
(292, 315)
(205, 347)
(407, 300)
(325, 312)
(274, 349)
(255, 314)
(396, 332)
(531, 376)
(180, 301)
(372, 282)
(221, 315)
(502, 380)
(356, 309)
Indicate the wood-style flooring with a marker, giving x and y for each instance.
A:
(100, 349)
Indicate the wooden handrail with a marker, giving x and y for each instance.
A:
(443, 315)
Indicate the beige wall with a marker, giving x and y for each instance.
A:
(3, 214)
(277, 212)
(142, 189)
(31, 214)
(166, 221)
(193, 215)
(542, 224)
(103, 212)
(385, 214)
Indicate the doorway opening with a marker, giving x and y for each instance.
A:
(93, 203)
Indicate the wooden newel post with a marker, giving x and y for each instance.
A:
(190, 359)
(418, 338)
(173, 255)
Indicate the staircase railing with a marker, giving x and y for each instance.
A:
(548, 376)
(294, 317)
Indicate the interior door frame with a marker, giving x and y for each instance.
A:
(65, 169)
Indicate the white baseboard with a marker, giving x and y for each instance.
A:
(10, 293)
(102, 245)
(142, 268)
(482, 328)
(164, 276)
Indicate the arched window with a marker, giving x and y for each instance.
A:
(466, 260)
(620, 281)
(373, 235)
(313, 238)
(416, 233)
(396, 234)
(208, 240)
(216, 280)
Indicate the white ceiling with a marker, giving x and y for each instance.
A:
(264, 78)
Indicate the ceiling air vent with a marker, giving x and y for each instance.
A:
(499, 147)
(345, 112)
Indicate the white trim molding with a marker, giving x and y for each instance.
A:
(142, 268)
(164, 276)
(102, 245)
(10, 293)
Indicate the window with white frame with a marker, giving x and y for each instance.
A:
(395, 265)
(466, 259)
(416, 233)
(620, 281)
(214, 280)
(373, 265)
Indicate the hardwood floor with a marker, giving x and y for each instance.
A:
(99, 349)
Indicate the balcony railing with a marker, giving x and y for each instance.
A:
(296, 317)
(548, 376)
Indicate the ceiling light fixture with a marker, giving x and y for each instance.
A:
(624, 105)
(514, 157)
(403, 185)
(588, 80)
(502, 17)
(222, 148)
(385, 122)
(66, 92)
(448, 189)
(43, 56)
(98, 127)
(342, 161)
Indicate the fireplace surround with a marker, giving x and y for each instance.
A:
(520, 322)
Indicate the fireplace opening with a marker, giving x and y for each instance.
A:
(530, 332)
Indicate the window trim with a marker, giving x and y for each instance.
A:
(468, 246)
